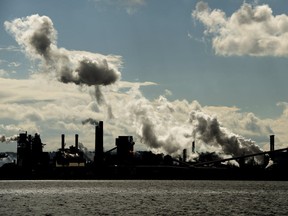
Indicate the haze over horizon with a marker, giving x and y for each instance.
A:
(167, 72)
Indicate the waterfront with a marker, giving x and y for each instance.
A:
(139, 197)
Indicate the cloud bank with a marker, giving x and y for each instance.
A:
(251, 30)
(163, 126)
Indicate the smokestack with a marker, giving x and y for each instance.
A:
(62, 142)
(272, 142)
(76, 141)
(184, 155)
(193, 147)
(98, 143)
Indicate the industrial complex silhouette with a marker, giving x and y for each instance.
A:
(122, 162)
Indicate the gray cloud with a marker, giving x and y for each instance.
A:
(36, 34)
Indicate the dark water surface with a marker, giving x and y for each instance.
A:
(136, 197)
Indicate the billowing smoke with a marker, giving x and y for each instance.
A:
(36, 34)
(207, 129)
(171, 143)
(148, 135)
(99, 96)
(156, 125)
(6, 139)
(161, 129)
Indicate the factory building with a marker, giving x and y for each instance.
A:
(125, 149)
(30, 153)
(69, 157)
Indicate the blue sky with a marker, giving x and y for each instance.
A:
(162, 43)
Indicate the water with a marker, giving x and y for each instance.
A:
(136, 197)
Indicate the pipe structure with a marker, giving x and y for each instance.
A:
(111, 150)
(240, 157)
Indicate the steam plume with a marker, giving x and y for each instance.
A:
(162, 131)
(36, 34)
(3, 138)
(99, 96)
(207, 129)
(148, 135)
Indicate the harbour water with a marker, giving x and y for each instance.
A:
(143, 197)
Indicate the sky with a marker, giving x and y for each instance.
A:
(168, 72)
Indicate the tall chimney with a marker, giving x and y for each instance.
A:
(76, 141)
(184, 155)
(193, 147)
(98, 143)
(62, 141)
(272, 142)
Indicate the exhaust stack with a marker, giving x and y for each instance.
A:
(62, 142)
(193, 147)
(76, 141)
(272, 142)
(184, 155)
(98, 159)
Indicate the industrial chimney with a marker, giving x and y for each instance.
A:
(98, 143)
(184, 155)
(76, 141)
(62, 142)
(193, 147)
(272, 142)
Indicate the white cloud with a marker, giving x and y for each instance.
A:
(251, 30)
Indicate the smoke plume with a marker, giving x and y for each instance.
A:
(3, 138)
(37, 36)
(99, 96)
(90, 121)
(170, 127)
(148, 135)
(208, 130)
